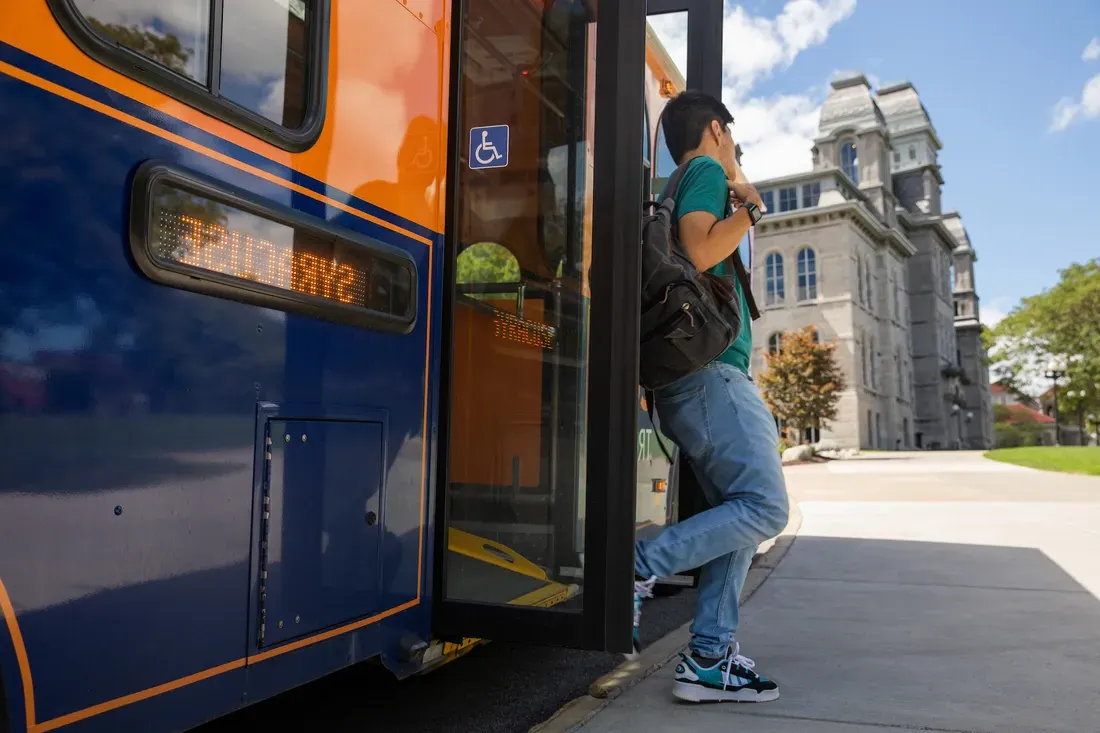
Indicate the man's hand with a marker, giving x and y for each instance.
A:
(744, 191)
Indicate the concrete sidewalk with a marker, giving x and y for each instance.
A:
(931, 597)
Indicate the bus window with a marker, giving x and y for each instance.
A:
(255, 64)
(264, 58)
(175, 35)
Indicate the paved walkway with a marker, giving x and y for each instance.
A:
(933, 591)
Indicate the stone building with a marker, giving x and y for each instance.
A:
(860, 249)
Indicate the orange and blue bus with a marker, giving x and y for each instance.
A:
(318, 326)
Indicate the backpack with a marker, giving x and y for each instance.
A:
(688, 318)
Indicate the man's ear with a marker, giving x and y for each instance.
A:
(716, 131)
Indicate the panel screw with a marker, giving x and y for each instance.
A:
(371, 518)
(304, 437)
(297, 619)
(286, 438)
(118, 510)
(280, 624)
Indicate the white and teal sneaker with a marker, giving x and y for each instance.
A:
(728, 680)
(642, 589)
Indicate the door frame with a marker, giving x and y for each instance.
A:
(704, 72)
(615, 286)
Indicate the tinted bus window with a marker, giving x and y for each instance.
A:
(256, 64)
(175, 35)
(264, 56)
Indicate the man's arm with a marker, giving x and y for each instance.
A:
(709, 241)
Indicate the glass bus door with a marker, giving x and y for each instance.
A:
(536, 504)
(539, 451)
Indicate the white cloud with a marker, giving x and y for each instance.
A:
(994, 311)
(1092, 51)
(776, 132)
(1069, 110)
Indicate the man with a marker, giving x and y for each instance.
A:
(719, 421)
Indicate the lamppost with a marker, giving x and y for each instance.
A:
(1092, 419)
(1056, 369)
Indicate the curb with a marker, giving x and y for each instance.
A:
(577, 712)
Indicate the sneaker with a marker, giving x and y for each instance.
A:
(728, 680)
(642, 589)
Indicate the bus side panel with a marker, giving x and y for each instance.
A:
(127, 421)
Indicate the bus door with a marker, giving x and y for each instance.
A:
(686, 40)
(536, 503)
(536, 515)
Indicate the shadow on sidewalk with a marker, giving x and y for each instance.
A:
(904, 634)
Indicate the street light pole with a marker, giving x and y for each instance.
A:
(1055, 371)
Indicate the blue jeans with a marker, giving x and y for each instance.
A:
(722, 426)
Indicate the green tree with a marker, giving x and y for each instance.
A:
(803, 382)
(487, 262)
(1062, 322)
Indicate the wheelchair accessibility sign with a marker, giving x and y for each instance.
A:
(489, 147)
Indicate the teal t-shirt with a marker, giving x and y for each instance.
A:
(704, 188)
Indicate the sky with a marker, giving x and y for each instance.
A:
(1013, 92)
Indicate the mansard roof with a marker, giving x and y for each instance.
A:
(904, 111)
(850, 106)
(954, 224)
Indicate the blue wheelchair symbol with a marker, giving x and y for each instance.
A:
(489, 147)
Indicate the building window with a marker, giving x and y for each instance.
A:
(788, 199)
(874, 375)
(897, 157)
(870, 293)
(895, 288)
(849, 161)
(863, 357)
(859, 277)
(870, 431)
(912, 152)
(905, 431)
(769, 200)
(807, 274)
(774, 291)
(816, 336)
(775, 343)
(811, 194)
(897, 366)
(195, 52)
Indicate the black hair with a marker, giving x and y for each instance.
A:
(686, 117)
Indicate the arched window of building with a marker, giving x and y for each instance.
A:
(774, 290)
(775, 342)
(849, 160)
(807, 274)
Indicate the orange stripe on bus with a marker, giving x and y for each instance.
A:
(125, 700)
(20, 652)
(92, 104)
(118, 702)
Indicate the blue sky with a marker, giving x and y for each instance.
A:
(1007, 86)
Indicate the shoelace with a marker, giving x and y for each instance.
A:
(642, 589)
(733, 656)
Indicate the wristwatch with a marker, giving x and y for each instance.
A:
(755, 214)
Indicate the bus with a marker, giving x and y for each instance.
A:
(318, 325)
